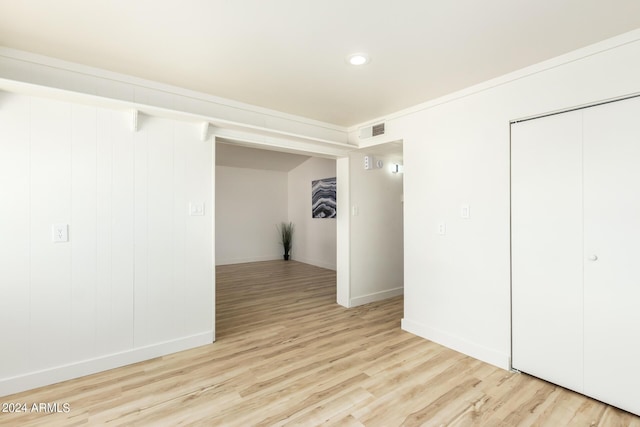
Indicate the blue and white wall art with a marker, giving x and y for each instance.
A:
(323, 198)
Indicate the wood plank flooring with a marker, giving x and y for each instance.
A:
(287, 354)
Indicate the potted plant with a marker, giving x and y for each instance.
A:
(286, 237)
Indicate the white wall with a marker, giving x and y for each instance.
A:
(376, 231)
(314, 241)
(250, 203)
(136, 278)
(343, 238)
(456, 152)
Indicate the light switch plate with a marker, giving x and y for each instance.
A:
(442, 229)
(60, 233)
(196, 209)
(465, 211)
(368, 162)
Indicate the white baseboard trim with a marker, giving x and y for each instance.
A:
(86, 367)
(456, 343)
(274, 258)
(320, 264)
(247, 259)
(376, 296)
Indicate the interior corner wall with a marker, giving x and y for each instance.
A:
(314, 240)
(376, 232)
(135, 280)
(456, 152)
(250, 204)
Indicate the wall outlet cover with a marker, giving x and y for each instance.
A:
(60, 233)
(196, 209)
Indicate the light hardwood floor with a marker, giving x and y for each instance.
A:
(287, 354)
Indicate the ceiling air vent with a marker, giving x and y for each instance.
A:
(370, 131)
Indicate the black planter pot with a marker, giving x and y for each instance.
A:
(286, 257)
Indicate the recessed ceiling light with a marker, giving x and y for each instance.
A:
(358, 59)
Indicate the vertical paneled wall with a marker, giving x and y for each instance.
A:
(135, 279)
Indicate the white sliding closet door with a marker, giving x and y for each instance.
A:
(612, 234)
(547, 261)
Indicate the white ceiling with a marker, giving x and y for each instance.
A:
(289, 55)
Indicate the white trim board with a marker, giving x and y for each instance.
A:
(501, 360)
(257, 135)
(376, 296)
(82, 368)
(315, 263)
(244, 260)
(84, 70)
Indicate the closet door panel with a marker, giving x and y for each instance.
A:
(547, 263)
(612, 234)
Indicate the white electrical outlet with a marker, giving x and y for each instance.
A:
(196, 209)
(60, 233)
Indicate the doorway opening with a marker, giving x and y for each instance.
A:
(258, 189)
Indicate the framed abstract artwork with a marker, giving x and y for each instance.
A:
(323, 198)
